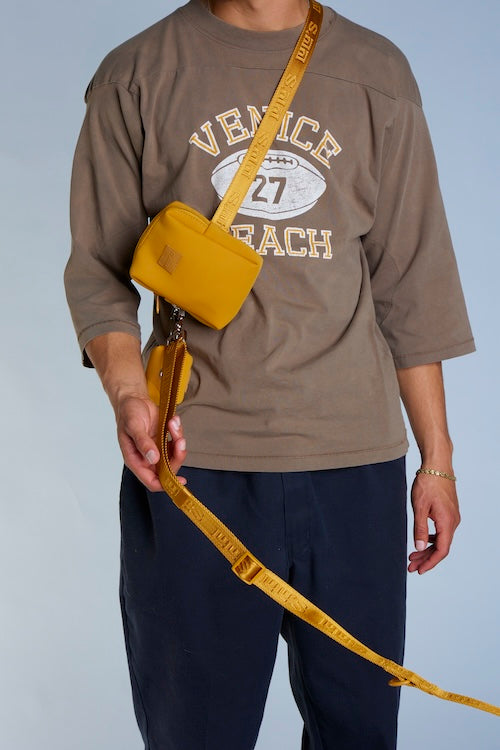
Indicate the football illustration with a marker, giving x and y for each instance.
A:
(286, 185)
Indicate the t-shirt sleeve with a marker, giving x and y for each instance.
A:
(107, 215)
(416, 288)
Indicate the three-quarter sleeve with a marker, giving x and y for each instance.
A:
(107, 214)
(416, 288)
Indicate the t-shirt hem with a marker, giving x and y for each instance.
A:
(99, 329)
(424, 358)
(296, 463)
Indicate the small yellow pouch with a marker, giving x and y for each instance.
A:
(154, 373)
(194, 264)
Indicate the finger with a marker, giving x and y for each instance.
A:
(427, 563)
(418, 559)
(433, 555)
(137, 422)
(175, 428)
(178, 454)
(177, 447)
(420, 554)
(135, 427)
(440, 550)
(146, 474)
(144, 454)
(138, 464)
(149, 480)
(146, 446)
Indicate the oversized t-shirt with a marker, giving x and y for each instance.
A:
(359, 276)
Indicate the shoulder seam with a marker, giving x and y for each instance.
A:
(128, 88)
(394, 97)
(134, 86)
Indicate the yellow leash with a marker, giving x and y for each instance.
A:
(246, 566)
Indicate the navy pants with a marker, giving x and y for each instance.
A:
(201, 644)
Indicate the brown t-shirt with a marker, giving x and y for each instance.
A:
(359, 275)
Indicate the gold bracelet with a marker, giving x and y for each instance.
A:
(436, 473)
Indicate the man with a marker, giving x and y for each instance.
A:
(293, 418)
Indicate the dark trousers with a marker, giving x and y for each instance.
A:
(201, 644)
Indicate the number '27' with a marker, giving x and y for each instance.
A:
(262, 181)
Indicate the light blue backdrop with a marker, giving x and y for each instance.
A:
(63, 676)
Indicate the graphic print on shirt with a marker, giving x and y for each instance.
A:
(287, 185)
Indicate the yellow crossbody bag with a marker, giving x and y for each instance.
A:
(195, 265)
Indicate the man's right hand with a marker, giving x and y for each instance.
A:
(117, 359)
(137, 424)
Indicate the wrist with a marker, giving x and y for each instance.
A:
(438, 455)
(117, 359)
(428, 471)
(118, 393)
(438, 461)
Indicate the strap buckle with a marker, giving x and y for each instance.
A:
(247, 568)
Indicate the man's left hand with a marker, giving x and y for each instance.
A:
(432, 498)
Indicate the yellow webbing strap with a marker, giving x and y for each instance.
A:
(248, 568)
(266, 132)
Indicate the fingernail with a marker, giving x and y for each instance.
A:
(177, 422)
(151, 457)
(420, 545)
(182, 444)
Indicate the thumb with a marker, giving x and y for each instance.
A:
(420, 530)
(145, 445)
(137, 420)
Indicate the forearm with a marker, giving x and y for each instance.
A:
(118, 362)
(422, 392)
(433, 498)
